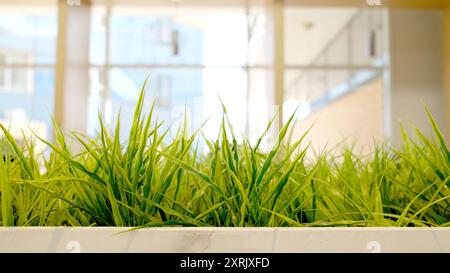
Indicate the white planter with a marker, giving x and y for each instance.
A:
(112, 239)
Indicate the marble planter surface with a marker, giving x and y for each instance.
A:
(267, 240)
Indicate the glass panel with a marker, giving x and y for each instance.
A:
(258, 33)
(195, 92)
(338, 52)
(308, 85)
(173, 92)
(366, 33)
(231, 86)
(97, 37)
(337, 82)
(28, 36)
(260, 110)
(183, 35)
(346, 37)
(307, 34)
(320, 87)
(96, 99)
(27, 101)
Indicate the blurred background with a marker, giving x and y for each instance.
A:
(356, 68)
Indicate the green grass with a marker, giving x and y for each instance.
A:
(151, 180)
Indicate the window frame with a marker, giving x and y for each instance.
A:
(8, 70)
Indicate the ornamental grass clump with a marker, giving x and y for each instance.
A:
(150, 180)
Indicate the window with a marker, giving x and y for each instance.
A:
(2, 71)
(163, 90)
(27, 59)
(12, 79)
(192, 54)
(339, 56)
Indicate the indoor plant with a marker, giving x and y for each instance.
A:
(148, 181)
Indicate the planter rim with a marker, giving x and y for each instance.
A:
(225, 239)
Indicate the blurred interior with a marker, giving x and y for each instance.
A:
(355, 68)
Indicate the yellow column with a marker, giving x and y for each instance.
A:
(279, 56)
(72, 65)
(60, 61)
(447, 70)
(275, 49)
(277, 13)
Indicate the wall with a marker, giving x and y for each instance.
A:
(356, 117)
(416, 48)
